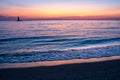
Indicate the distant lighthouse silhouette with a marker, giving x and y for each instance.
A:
(18, 18)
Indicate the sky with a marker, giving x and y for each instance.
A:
(59, 8)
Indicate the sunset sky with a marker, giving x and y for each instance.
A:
(59, 8)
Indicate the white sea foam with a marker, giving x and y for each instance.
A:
(61, 55)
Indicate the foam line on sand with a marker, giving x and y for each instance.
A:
(56, 63)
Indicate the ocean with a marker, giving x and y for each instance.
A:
(50, 40)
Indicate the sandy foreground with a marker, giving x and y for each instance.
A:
(107, 68)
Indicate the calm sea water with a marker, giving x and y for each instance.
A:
(19, 41)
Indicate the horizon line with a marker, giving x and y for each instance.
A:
(12, 18)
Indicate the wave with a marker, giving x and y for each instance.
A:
(81, 42)
(65, 38)
(97, 41)
(60, 55)
(115, 27)
(21, 38)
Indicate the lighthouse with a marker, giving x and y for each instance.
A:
(18, 19)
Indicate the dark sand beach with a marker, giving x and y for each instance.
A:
(103, 70)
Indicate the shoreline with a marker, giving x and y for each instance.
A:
(56, 63)
(103, 69)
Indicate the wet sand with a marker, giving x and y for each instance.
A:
(90, 69)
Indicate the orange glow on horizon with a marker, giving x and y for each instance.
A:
(61, 10)
(55, 14)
